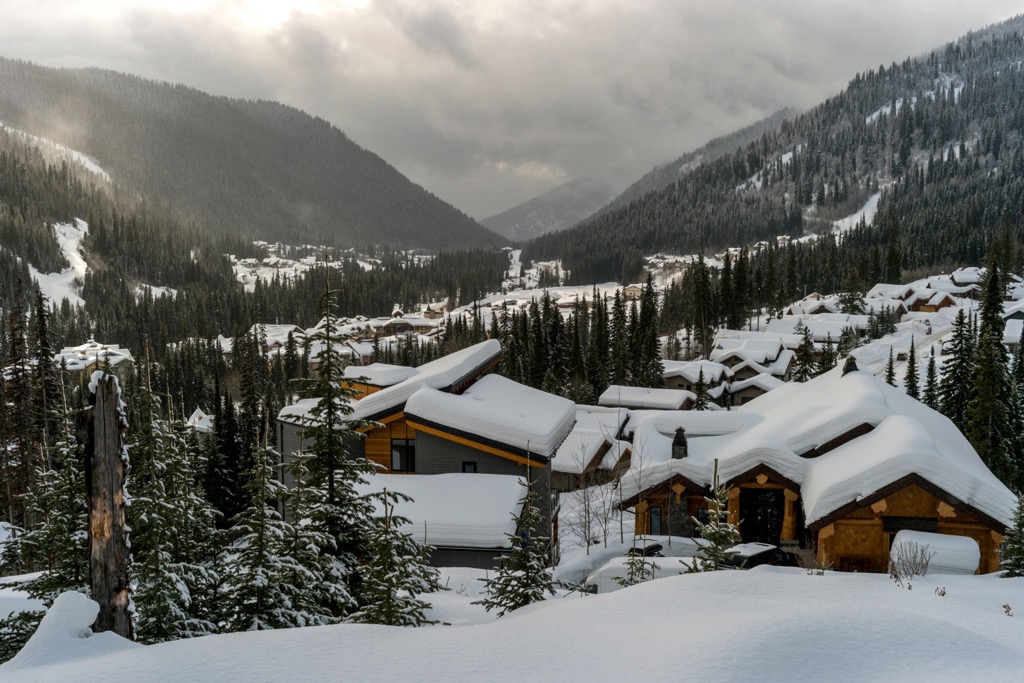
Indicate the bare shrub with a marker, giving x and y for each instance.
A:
(909, 559)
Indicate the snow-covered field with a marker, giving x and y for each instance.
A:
(767, 624)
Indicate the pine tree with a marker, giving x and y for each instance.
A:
(701, 391)
(1013, 548)
(804, 365)
(718, 533)
(931, 383)
(890, 369)
(910, 378)
(399, 573)
(957, 373)
(638, 570)
(988, 418)
(523, 578)
(258, 585)
(341, 512)
(170, 525)
(827, 360)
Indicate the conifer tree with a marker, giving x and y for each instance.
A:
(719, 534)
(638, 569)
(1013, 548)
(258, 586)
(827, 360)
(523, 578)
(344, 515)
(910, 378)
(399, 575)
(804, 365)
(988, 418)
(890, 369)
(931, 383)
(701, 391)
(957, 372)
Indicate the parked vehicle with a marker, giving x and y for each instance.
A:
(750, 555)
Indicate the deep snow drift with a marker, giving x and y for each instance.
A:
(767, 624)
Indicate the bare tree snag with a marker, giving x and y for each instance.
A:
(108, 539)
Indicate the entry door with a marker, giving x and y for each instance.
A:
(761, 513)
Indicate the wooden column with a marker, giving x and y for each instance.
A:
(108, 543)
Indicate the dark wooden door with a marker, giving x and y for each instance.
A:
(761, 513)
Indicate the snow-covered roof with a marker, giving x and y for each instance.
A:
(690, 370)
(645, 397)
(481, 518)
(81, 357)
(762, 381)
(790, 424)
(441, 374)
(200, 421)
(499, 410)
(380, 374)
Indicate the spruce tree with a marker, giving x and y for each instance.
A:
(701, 391)
(258, 585)
(931, 383)
(827, 360)
(890, 369)
(957, 372)
(523, 578)
(988, 418)
(344, 515)
(804, 365)
(910, 378)
(399, 575)
(1013, 544)
(718, 533)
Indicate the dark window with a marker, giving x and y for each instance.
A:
(403, 455)
(655, 520)
(469, 466)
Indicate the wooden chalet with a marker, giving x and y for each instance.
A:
(831, 469)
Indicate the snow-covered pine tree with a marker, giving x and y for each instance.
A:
(57, 542)
(258, 587)
(638, 570)
(700, 389)
(804, 367)
(1013, 544)
(344, 515)
(397, 573)
(170, 523)
(717, 531)
(957, 372)
(523, 578)
(827, 360)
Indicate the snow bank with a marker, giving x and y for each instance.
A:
(950, 554)
(767, 624)
(454, 510)
(65, 635)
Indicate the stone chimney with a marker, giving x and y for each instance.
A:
(849, 366)
(680, 449)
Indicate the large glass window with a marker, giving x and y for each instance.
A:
(403, 455)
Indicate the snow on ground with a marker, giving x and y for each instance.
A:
(867, 212)
(767, 624)
(67, 283)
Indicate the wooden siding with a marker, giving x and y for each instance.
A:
(378, 441)
(860, 541)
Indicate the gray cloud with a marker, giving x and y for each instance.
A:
(487, 104)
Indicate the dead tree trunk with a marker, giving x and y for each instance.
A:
(108, 542)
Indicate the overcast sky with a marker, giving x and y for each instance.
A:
(489, 103)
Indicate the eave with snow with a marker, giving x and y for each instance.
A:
(831, 468)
